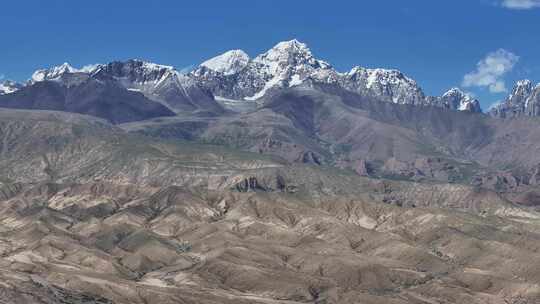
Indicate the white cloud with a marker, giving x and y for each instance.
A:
(491, 70)
(520, 4)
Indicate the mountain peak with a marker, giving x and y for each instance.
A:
(523, 83)
(521, 90)
(287, 48)
(228, 63)
(53, 73)
(456, 99)
(8, 86)
(287, 54)
(457, 92)
(293, 44)
(56, 72)
(522, 101)
(137, 74)
(387, 76)
(150, 65)
(387, 84)
(64, 67)
(454, 92)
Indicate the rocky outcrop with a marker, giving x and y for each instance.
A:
(457, 100)
(524, 100)
(433, 168)
(386, 85)
(159, 83)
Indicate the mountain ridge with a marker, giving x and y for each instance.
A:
(291, 63)
(524, 100)
(234, 76)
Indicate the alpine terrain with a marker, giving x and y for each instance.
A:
(267, 179)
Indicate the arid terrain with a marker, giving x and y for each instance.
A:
(91, 214)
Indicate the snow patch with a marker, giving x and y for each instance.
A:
(228, 63)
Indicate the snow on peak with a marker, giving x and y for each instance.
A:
(52, 73)
(458, 93)
(288, 54)
(56, 72)
(8, 87)
(380, 76)
(522, 89)
(523, 83)
(386, 77)
(91, 68)
(149, 66)
(144, 76)
(521, 101)
(290, 63)
(63, 68)
(454, 92)
(228, 63)
(291, 46)
(522, 86)
(387, 84)
(456, 99)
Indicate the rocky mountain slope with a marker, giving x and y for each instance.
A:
(230, 81)
(159, 83)
(119, 92)
(90, 214)
(235, 76)
(457, 100)
(523, 101)
(80, 93)
(342, 129)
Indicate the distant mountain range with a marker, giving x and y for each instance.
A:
(234, 81)
(235, 76)
(231, 81)
(287, 103)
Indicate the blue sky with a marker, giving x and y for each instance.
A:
(480, 45)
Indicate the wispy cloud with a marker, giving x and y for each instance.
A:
(490, 71)
(521, 4)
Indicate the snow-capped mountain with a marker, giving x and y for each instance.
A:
(456, 99)
(288, 64)
(8, 87)
(388, 85)
(159, 83)
(524, 100)
(53, 73)
(134, 74)
(239, 82)
(235, 76)
(228, 63)
(57, 72)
